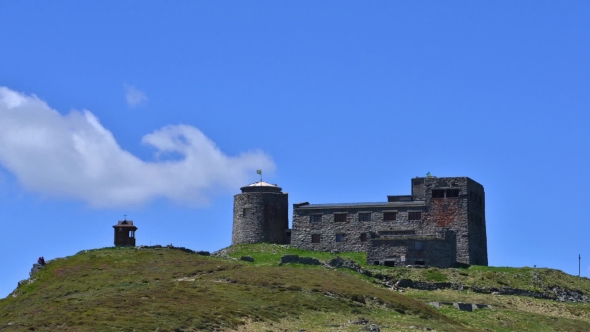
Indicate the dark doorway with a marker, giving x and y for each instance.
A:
(389, 263)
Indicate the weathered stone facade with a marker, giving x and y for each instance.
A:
(438, 250)
(260, 214)
(436, 206)
(353, 228)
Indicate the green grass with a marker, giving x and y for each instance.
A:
(147, 289)
(270, 254)
(434, 274)
(128, 289)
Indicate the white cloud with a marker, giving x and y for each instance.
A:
(134, 96)
(74, 156)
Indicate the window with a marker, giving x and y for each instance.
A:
(389, 216)
(365, 216)
(445, 193)
(315, 238)
(389, 263)
(418, 245)
(339, 237)
(452, 193)
(340, 217)
(315, 218)
(414, 215)
(246, 212)
(438, 193)
(363, 237)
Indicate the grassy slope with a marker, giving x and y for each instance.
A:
(164, 289)
(534, 279)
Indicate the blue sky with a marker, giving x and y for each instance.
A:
(162, 110)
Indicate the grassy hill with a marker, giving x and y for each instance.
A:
(163, 289)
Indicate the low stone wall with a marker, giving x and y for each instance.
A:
(411, 250)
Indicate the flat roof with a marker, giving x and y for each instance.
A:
(363, 204)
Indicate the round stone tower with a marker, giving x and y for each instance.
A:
(260, 214)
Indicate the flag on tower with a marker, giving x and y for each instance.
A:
(259, 171)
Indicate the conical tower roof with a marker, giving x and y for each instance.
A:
(261, 186)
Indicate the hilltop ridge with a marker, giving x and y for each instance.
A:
(166, 289)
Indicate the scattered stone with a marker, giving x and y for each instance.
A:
(435, 304)
(464, 306)
(406, 283)
(36, 268)
(309, 261)
(301, 260)
(289, 259)
(247, 258)
(361, 321)
(340, 262)
(372, 327)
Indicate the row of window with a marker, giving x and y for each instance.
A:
(317, 238)
(366, 216)
(445, 193)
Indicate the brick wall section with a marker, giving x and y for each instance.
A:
(437, 251)
(267, 221)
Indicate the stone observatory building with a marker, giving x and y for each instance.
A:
(442, 223)
(261, 214)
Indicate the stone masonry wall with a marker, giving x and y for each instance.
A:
(327, 228)
(267, 221)
(463, 214)
(436, 251)
(449, 212)
(477, 224)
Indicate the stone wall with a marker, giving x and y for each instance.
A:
(435, 250)
(478, 250)
(267, 219)
(351, 229)
(464, 214)
(460, 209)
